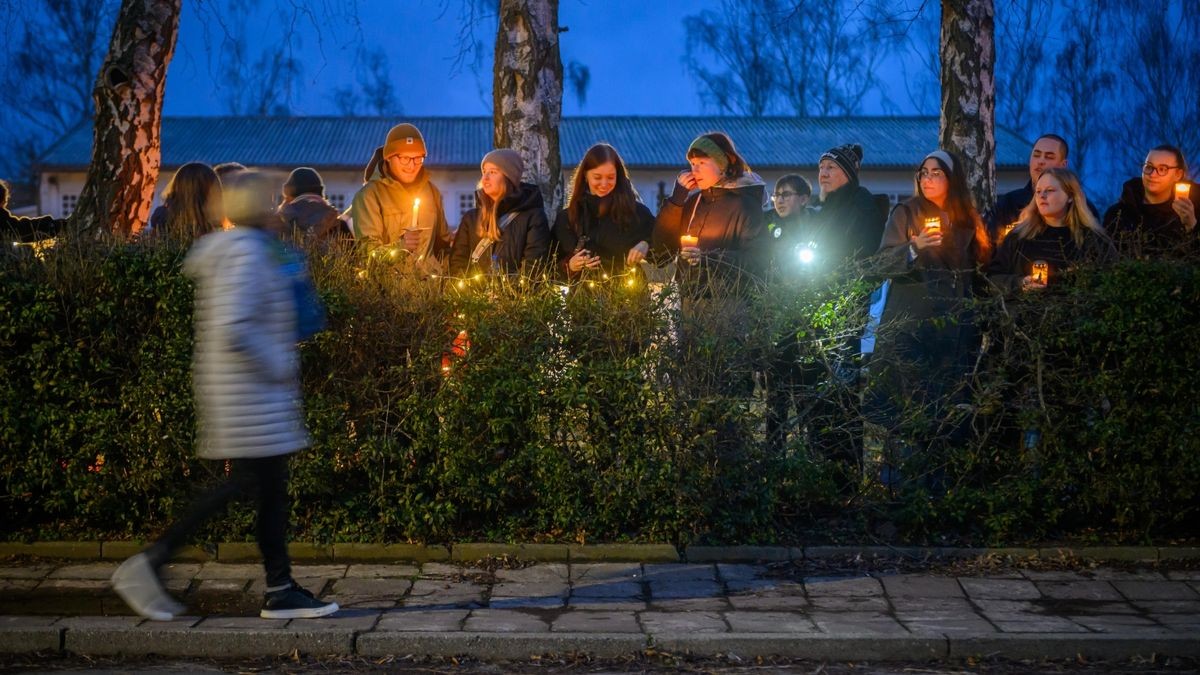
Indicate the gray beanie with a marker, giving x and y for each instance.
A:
(509, 162)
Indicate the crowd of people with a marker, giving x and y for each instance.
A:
(931, 255)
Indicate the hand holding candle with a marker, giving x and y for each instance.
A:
(930, 235)
(689, 247)
(1040, 273)
(1183, 190)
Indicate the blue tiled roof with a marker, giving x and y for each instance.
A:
(457, 142)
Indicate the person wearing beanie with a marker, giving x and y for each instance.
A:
(713, 220)
(508, 231)
(384, 208)
(311, 220)
(933, 249)
(604, 226)
(845, 211)
(249, 415)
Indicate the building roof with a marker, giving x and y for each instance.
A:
(645, 142)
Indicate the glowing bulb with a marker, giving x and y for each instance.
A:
(461, 283)
(807, 255)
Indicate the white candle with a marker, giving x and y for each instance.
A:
(416, 210)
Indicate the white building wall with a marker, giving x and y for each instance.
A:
(58, 191)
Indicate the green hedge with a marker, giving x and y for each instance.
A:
(603, 414)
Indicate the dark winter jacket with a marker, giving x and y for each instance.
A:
(1154, 230)
(927, 336)
(22, 229)
(1015, 256)
(1008, 209)
(727, 219)
(602, 236)
(524, 240)
(313, 221)
(850, 221)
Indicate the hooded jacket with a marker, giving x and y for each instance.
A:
(605, 238)
(727, 219)
(1142, 229)
(524, 240)
(383, 210)
(245, 367)
(313, 220)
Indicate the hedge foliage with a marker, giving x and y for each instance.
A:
(604, 412)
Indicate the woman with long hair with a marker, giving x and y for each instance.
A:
(933, 248)
(604, 225)
(508, 229)
(1056, 229)
(193, 204)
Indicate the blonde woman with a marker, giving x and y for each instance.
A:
(192, 205)
(508, 231)
(1056, 229)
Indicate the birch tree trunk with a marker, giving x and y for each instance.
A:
(126, 141)
(968, 122)
(527, 88)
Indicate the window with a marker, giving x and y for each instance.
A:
(338, 201)
(466, 202)
(68, 204)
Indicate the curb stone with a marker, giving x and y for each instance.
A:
(809, 646)
(1070, 645)
(201, 642)
(499, 645)
(471, 552)
(120, 550)
(732, 554)
(19, 634)
(650, 553)
(52, 549)
(351, 552)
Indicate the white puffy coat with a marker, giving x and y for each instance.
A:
(246, 368)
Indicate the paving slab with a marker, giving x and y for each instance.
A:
(379, 571)
(68, 585)
(779, 602)
(100, 570)
(550, 589)
(530, 602)
(921, 586)
(25, 572)
(505, 621)
(1037, 625)
(728, 572)
(844, 586)
(230, 571)
(606, 572)
(815, 647)
(607, 604)
(581, 621)
(542, 573)
(857, 623)
(1156, 590)
(770, 622)
(668, 590)
(607, 589)
(422, 620)
(675, 573)
(1000, 589)
(714, 604)
(673, 623)
(373, 587)
(1079, 590)
(355, 620)
(223, 586)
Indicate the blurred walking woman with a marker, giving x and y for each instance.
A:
(714, 216)
(1057, 229)
(604, 226)
(933, 246)
(508, 231)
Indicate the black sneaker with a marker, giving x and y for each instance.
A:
(294, 602)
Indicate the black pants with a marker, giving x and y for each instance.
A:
(265, 477)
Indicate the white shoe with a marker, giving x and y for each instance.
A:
(138, 585)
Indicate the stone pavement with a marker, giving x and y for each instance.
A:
(616, 609)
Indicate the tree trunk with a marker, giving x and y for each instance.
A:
(126, 143)
(527, 88)
(968, 124)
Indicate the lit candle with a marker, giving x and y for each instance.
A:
(1041, 271)
(416, 209)
(933, 225)
(689, 240)
(1182, 190)
(1004, 232)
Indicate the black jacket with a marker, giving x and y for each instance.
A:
(605, 238)
(22, 229)
(524, 241)
(1008, 209)
(727, 220)
(1142, 229)
(1015, 256)
(850, 222)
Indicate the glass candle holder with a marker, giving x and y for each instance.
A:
(1040, 271)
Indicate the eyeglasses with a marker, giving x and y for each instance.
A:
(784, 195)
(1160, 170)
(409, 161)
(936, 174)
